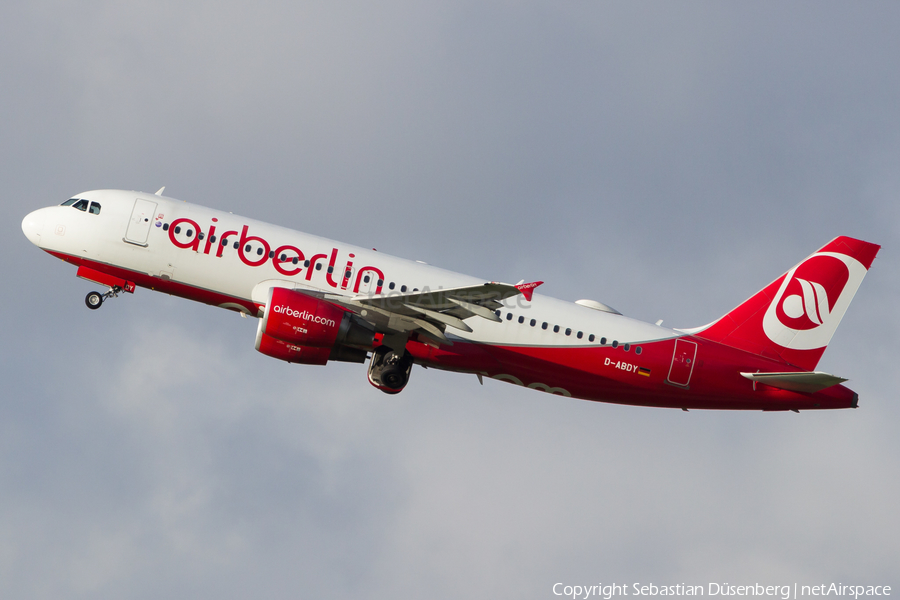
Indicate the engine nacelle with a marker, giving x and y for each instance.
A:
(300, 328)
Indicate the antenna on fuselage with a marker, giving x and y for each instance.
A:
(160, 191)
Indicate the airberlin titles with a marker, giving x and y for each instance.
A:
(285, 258)
(303, 316)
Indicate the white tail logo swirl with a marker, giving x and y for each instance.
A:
(813, 303)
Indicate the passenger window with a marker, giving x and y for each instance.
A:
(189, 232)
(568, 331)
(544, 325)
(95, 208)
(259, 251)
(579, 335)
(271, 253)
(403, 288)
(380, 282)
(305, 263)
(637, 350)
(247, 248)
(283, 257)
(81, 205)
(521, 319)
(366, 279)
(602, 341)
(615, 344)
(212, 239)
(295, 260)
(200, 235)
(177, 229)
(166, 228)
(497, 312)
(556, 329)
(391, 286)
(509, 316)
(237, 245)
(591, 338)
(330, 269)
(533, 322)
(626, 347)
(318, 266)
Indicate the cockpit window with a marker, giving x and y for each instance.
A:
(95, 208)
(69, 202)
(81, 205)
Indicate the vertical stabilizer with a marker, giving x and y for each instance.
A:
(793, 318)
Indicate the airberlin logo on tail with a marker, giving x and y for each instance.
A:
(811, 301)
(303, 315)
(810, 305)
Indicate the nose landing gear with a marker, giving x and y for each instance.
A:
(95, 299)
(115, 284)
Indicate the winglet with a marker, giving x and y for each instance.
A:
(527, 289)
(160, 191)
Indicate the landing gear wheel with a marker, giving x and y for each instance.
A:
(395, 377)
(389, 370)
(93, 300)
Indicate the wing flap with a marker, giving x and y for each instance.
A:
(444, 318)
(432, 311)
(487, 294)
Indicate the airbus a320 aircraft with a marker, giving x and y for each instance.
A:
(319, 300)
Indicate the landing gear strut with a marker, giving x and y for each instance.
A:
(389, 370)
(95, 299)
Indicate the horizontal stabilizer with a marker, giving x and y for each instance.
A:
(803, 381)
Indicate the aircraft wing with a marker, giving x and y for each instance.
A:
(432, 311)
(428, 312)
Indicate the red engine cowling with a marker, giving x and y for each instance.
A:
(292, 353)
(300, 328)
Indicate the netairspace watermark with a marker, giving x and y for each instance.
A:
(783, 592)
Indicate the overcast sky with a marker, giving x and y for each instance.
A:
(668, 159)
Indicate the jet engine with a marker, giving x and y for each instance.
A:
(299, 328)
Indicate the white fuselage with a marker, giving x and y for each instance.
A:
(100, 238)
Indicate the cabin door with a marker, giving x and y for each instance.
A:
(140, 222)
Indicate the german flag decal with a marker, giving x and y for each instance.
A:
(644, 371)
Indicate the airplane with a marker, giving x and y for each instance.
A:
(319, 300)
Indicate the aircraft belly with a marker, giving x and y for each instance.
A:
(612, 375)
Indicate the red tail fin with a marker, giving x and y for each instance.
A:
(793, 318)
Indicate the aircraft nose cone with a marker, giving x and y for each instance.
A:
(32, 226)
